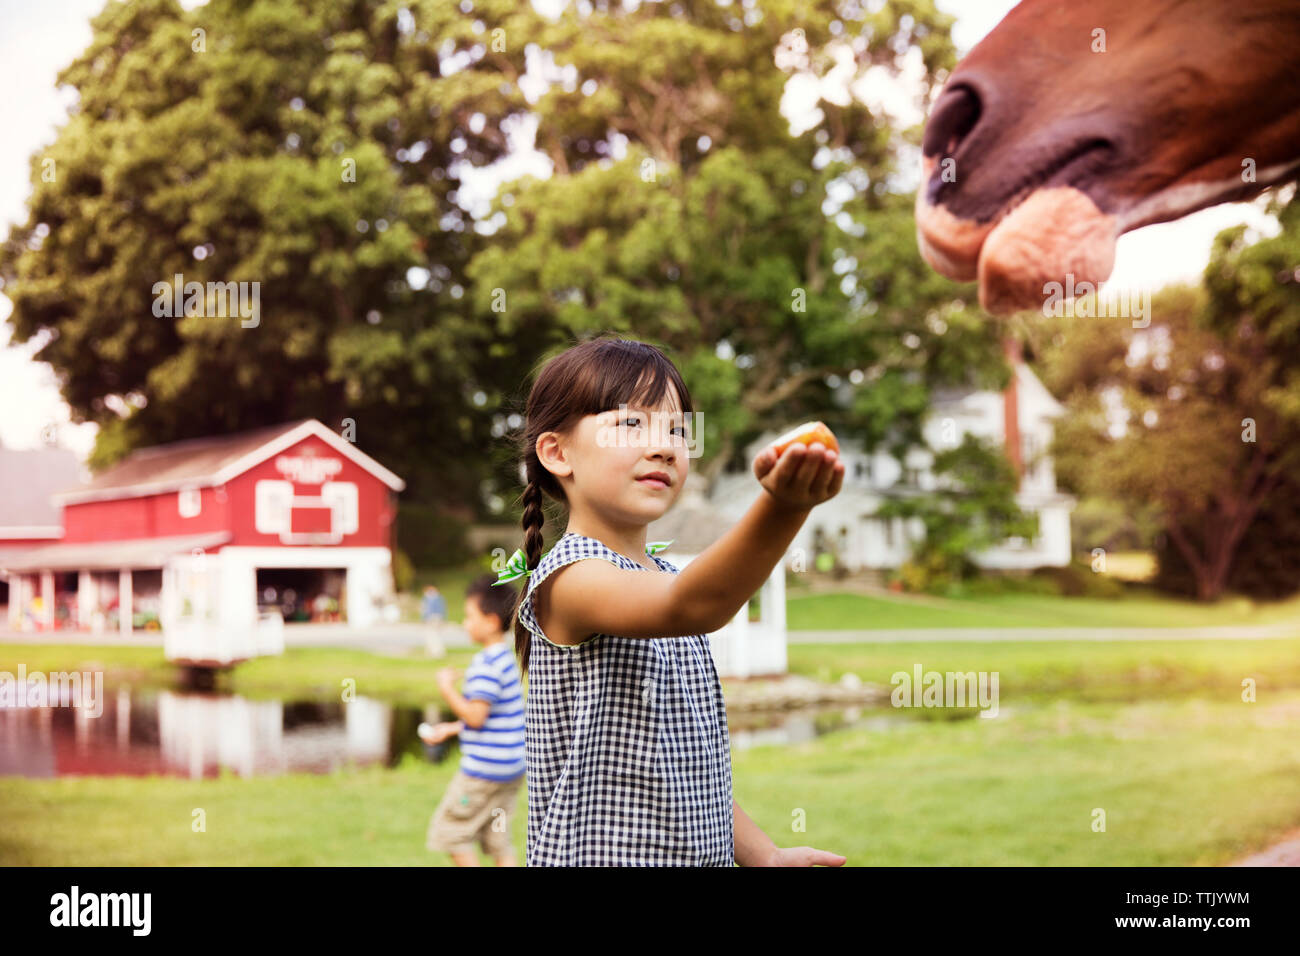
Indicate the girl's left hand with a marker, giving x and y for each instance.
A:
(804, 856)
(446, 675)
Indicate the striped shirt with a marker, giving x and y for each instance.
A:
(629, 757)
(495, 751)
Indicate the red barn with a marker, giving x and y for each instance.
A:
(208, 538)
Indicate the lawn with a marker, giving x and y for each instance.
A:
(1152, 732)
(1083, 671)
(1141, 607)
(1200, 780)
(297, 674)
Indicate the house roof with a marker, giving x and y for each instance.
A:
(201, 462)
(27, 479)
(1033, 394)
(111, 555)
(1035, 389)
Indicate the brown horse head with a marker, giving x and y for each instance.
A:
(1072, 123)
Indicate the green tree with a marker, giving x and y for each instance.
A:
(308, 147)
(1198, 414)
(321, 149)
(972, 508)
(779, 270)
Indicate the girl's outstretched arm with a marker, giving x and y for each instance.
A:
(755, 848)
(595, 597)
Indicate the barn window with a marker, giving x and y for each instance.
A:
(342, 498)
(273, 504)
(189, 502)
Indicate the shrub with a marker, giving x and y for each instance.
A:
(929, 572)
(1077, 579)
(403, 571)
(431, 537)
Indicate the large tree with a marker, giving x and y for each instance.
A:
(1197, 414)
(321, 148)
(307, 147)
(780, 270)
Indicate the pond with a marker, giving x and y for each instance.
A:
(197, 734)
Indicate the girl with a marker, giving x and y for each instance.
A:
(626, 742)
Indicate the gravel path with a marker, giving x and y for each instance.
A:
(1285, 852)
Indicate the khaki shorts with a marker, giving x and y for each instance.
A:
(474, 810)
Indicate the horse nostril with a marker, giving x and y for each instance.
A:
(954, 116)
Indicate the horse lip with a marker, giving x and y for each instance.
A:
(951, 242)
(1071, 165)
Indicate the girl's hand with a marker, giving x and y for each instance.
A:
(446, 677)
(803, 476)
(804, 856)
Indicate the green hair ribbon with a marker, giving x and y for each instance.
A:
(517, 566)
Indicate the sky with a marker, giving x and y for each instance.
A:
(38, 39)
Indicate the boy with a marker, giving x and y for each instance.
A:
(481, 796)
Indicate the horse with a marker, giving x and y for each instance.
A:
(1072, 123)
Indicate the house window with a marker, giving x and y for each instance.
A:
(859, 470)
(272, 506)
(342, 497)
(913, 477)
(189, 502)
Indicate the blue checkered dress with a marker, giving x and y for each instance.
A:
(628, 753)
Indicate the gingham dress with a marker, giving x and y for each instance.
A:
(628, 753)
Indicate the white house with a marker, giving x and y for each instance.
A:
(1025, 411)
(745, 647)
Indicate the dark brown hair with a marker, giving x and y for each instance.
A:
(594, 376)
(493, 598)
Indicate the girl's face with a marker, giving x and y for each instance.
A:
(605, 463)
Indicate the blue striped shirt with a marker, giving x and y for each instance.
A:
(495, 751)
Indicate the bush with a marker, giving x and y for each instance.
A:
(930, 573)
(1078, 579)
(431, 537)
(1075, 580)
(403, 571)
(994, 583)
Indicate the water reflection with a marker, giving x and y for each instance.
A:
(197, 735)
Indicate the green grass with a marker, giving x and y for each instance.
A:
(370, 816)
(121, 665)
(1189, 782)
(1082, 670)
(1141, 608)
(1153, 732)
(297, 674)
(1085, 671)
(1193, 782)
(316, 673)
